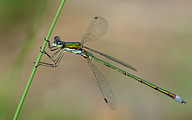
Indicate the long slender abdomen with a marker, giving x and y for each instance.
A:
(175, 97)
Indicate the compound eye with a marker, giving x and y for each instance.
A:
(58, 43)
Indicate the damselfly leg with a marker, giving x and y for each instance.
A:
(56, 60)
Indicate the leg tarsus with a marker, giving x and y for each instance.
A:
(46, 40)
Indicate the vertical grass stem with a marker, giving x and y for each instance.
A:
(37, 62)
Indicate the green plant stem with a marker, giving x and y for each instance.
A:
(37, 62)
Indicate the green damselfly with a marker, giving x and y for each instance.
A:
(97, 29)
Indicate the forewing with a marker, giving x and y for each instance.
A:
(97, 29)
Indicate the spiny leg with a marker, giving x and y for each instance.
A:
(50, 57)
(56, 61)
(55, 64)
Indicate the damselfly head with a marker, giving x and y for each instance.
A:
(57, 42)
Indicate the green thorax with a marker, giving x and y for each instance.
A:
(73, 45)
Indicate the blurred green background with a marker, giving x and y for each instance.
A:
(153, 36)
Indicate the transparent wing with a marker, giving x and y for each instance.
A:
(112, 58)
(97, 29)
(103, 85)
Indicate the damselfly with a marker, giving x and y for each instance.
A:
(97, 29)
